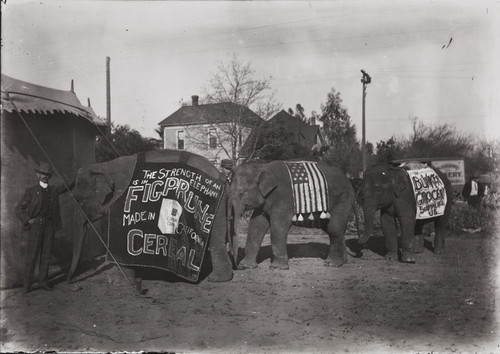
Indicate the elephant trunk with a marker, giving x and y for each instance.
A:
(237, 212)
(369, 216)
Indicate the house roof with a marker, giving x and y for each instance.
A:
(26, 97)
(210, 114)
(305, 133)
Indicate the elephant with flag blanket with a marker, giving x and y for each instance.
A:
(267, 189)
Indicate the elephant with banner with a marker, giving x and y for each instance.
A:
(390, 190)
(268, 190)
(101, 187)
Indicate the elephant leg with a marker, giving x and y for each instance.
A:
(440, 225)
(222, 267)
(390, 234)
(257, 228)
(279, 235)
(419, 237)
(408, 229)
(337, 255)
(77, 250)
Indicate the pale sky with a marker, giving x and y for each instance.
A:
(163, 52)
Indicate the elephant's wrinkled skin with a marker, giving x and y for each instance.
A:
(266, 189)
(98, 185)
(389, 190)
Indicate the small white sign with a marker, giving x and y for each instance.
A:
(170, 214)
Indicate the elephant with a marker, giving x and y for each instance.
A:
(100, 184)
(389, 189)
(265, 188)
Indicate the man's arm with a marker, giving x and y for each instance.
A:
(21, 207)
(63, 187)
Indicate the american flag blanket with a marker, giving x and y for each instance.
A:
(310, 190)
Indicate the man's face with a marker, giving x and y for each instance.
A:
(43, 177)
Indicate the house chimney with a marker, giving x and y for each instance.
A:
(312, 121)
(194, 98)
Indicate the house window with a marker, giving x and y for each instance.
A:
(180, 140)
(212, 138)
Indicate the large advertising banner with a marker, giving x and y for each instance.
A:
(164, 218)
(430, 193)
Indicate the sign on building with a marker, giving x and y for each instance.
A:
(454, 169)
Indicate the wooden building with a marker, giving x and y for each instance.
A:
(34, 115)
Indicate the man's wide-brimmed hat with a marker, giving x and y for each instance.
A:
(44, 169)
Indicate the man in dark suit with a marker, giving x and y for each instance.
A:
(38, 211)
(473, 191)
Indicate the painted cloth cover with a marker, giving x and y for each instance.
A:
(164, 217)
(310, 190)
(430, 192)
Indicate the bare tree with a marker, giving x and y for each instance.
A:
(234, 86)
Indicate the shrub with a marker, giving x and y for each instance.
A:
(463, 216)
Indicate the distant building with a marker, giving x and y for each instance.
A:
(208, 129)
(309, 135)
(66, 130)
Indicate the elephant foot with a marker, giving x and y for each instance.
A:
(245, 265)
(391, 256)
(408, 257)
(279, 265)
(335, 262)
(220, 277)
(439, 250)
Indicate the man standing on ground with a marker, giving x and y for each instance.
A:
(38, 211)
(473, 192)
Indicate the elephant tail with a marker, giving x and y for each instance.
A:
(358, 219)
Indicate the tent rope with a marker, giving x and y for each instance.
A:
(109, 141)
(69, 190)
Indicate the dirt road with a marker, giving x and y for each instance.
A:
(441, 304)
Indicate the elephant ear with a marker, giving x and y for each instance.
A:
(266, 182)
(103, 187)
(398, 179)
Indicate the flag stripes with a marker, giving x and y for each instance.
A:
(310, 191)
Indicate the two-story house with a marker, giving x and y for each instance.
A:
(216, 130)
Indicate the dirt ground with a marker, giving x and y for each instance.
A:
(444, 303)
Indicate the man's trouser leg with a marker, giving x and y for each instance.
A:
(48, 240)
(32, 249)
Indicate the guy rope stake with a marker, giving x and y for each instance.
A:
(69, 190)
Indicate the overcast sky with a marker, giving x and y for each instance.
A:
(438, 61)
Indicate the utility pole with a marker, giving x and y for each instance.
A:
(366, 79)
(108, 95)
